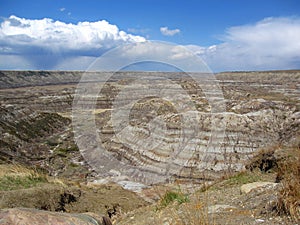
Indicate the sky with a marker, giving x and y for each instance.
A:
(230, 35)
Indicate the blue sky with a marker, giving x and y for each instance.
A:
(228, 35)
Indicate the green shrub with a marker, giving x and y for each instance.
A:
(172, 196)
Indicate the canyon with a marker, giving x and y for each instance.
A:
(96, 134)
(259, 109)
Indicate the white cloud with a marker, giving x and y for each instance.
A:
(272, 43)
(62, 9)
(196, 49)
(47, 37)
(167, 32)
(180, 53)
(56, 35)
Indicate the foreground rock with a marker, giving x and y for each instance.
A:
(38, 217)
(246, 188)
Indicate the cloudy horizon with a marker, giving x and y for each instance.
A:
(47, 44)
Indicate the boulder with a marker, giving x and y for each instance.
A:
(26, 216)
(246, 188)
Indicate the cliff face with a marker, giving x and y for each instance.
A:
(261, 109)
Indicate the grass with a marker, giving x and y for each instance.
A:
(289, 196)
(14, 177)
(8, 183)
(242, 178)
(235, 179)
(177, 208)
(172, 196)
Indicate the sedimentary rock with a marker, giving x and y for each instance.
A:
(260, 109)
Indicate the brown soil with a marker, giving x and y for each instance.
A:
(73, 199)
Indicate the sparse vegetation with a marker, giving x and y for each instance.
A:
(15, 182)
(13, 177)
(287, 167)
(172, 196)
(64, 152)
(289, 196)
(242, 178)
(195, 212)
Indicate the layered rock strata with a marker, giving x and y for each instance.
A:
(171, 131)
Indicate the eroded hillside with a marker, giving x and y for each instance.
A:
(262, 109)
